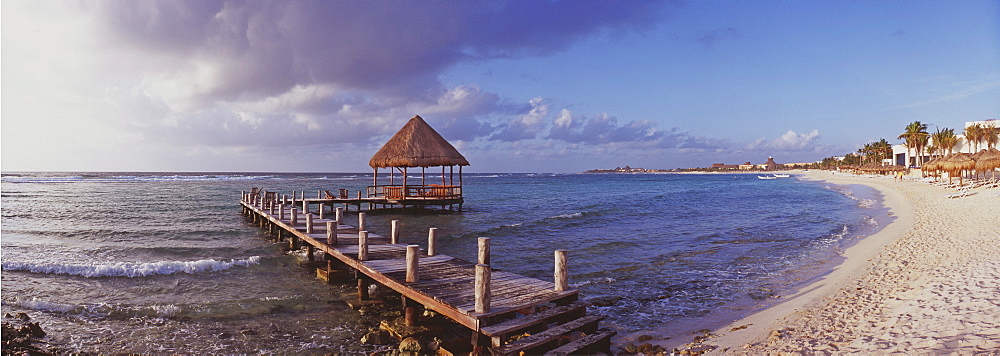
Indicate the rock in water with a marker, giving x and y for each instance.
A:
(605, 301)
(410, 344)
(35, 329)
(380, 337)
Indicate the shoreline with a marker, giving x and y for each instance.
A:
(673, 338)
(905, 288)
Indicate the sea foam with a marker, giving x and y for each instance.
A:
(569, 216)
(128, 269)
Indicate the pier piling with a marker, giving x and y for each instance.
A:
(394, 232)
(412, 263)
(331, 233)
(484, 250)
(561, 275)
(362, 245)
(431, 241)
(482, 286)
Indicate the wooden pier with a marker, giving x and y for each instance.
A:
(493, 305)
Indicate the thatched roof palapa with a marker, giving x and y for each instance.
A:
(417, 145)
(988, 160)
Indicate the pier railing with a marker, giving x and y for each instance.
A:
(399, 192)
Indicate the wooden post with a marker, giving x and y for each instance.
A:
(362, 245)
(309, 223)
(340, 215)
(431, 241)
(295, 216)
(284, 199)
(244, 194)
(483, 294)
(394, 235)
(281, 212)
(321, 210)
(305, 204)
(561, 276)
(331, 233)
(310, 252)
(484, 250)
(293, 198)
(319, 194)
(412, 263)
(409, 312)
(361, 222)
(293, 242)
(362, 288)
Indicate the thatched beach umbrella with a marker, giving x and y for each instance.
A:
(957, 163)
(989, 160)
(933, 165)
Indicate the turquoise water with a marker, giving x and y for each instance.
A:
(146, 262)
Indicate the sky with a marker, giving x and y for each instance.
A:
(516, 86)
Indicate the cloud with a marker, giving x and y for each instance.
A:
(600, 128)
(217, 73)
(526, 126)
(196, 55)
(603, 128)
(791, 141)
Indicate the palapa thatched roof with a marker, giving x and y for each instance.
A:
(988, 160)
(417, 145)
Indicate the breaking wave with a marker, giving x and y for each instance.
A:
(129, 269)
(569, 216)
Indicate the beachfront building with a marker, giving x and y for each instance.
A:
(418, 145)
(903, 156)
(723, 166)
(770, 165)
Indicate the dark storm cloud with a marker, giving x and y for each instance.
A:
(356, 67)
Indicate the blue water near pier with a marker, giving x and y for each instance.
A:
(165, 262)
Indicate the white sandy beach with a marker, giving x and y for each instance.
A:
(927, 283)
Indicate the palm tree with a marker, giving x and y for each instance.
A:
(915, 137)
(944, 140)
(990, 135)
(973, 134)
(883, 149)
(866, 152)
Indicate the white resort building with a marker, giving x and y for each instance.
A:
(903, 156)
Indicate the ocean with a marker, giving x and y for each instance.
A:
(165, 262)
